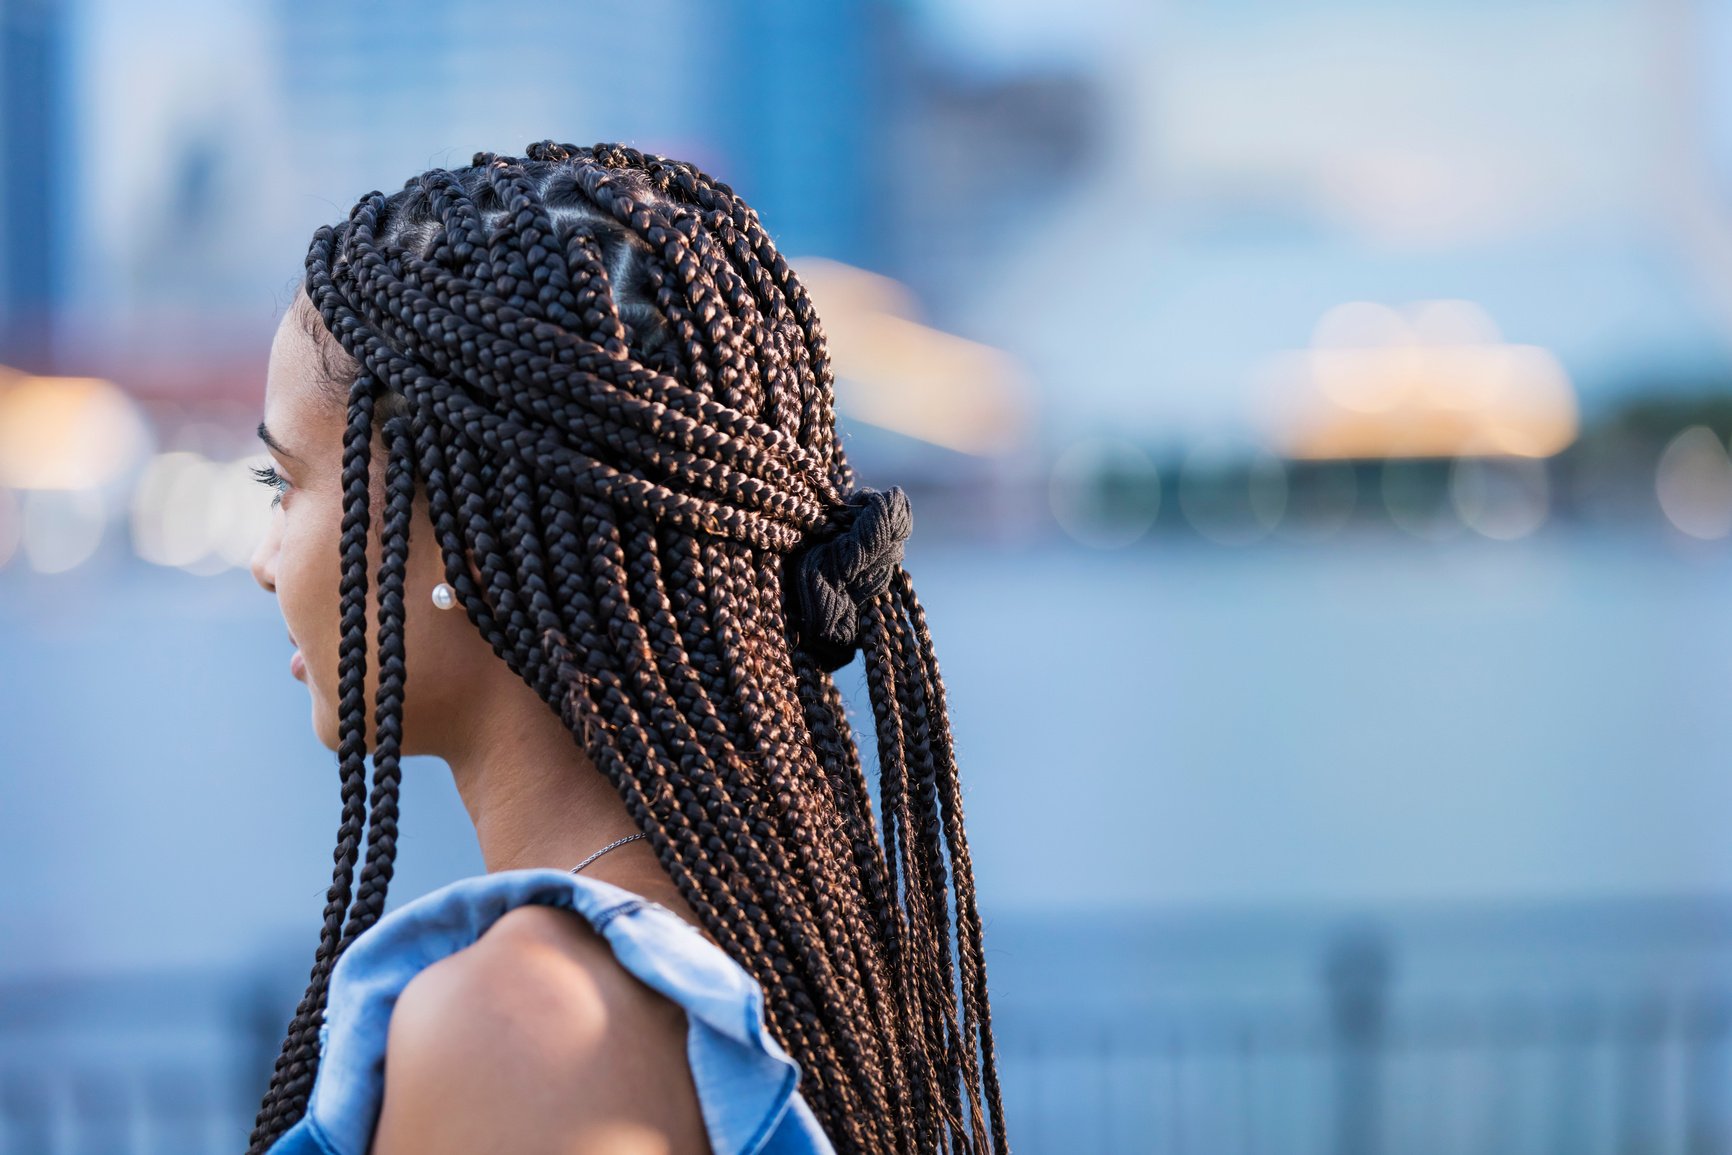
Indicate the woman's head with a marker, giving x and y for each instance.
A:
(583, 388)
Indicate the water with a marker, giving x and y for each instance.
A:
(1172, 727)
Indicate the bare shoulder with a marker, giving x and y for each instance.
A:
(536, 1039)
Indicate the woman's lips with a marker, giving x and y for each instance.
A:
(298, 666)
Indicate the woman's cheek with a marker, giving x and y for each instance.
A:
(307, 587)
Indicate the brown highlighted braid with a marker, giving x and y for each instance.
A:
(618, 399)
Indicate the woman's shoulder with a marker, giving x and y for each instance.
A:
(494, 973)
(485, 1045)
(542, 972)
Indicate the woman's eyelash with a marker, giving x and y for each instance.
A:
(268, 475)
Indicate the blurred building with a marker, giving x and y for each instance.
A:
(799, 103)
(36, 182)
(171, 279)
(980, 158)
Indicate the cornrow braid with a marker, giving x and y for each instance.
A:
(618, 399)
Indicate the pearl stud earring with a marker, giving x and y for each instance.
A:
(444, 596)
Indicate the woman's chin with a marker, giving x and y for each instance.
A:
(325, 725)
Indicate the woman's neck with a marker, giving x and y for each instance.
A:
(531, 791)
(537, 800)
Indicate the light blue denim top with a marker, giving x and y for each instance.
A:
(746, 1082)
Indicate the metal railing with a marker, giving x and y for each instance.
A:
(175, 1064)
(1363, 1069)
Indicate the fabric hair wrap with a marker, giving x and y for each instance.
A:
(830, 579)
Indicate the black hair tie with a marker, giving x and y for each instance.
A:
(831, 577)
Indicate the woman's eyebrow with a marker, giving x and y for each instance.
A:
(265, 436)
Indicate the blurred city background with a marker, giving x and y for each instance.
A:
(1316, 415)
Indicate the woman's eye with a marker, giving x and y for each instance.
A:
(268, 475)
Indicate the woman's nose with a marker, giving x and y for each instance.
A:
(264, 560)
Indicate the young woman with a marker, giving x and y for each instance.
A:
(581, 398)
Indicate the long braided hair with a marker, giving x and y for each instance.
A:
(617, 398)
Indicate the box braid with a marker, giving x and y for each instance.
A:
(618, 399)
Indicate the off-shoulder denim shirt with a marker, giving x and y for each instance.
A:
(747, 1084)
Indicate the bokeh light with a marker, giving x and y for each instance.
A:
(1321, 500)
(1430, 380)
(1501, 498)
(11, 524)
(1416, 495)
(196, 514)
(1230, 493)
(62, 528)
(897, 373)
(1693, 482)
(67, 432)
(1104, 492)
